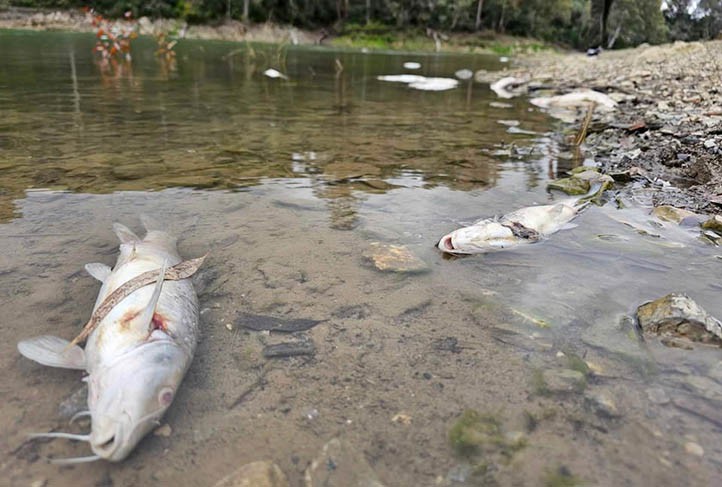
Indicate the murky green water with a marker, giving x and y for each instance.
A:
(287, 183)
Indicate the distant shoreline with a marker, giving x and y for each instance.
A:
(74, 20)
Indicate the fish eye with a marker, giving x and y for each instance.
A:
(165, 396)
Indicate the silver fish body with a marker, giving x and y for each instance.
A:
(520, 227)
(139, 352)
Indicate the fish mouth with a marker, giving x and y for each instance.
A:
(447, 244)
(106, 447)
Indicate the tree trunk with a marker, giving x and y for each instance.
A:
(368, 12)
(228, 10)
(246, 7)
(479, 6)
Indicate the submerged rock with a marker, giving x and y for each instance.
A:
(714, 223)
(677, 315)
(255, 474)
(340, 465)
(394, 258)
(561, 381)
(671, 214)
(571, 185)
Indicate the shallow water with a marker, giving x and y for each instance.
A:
(287, 183)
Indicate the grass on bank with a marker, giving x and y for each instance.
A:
(383, 37)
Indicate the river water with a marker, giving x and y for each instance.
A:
(288, 183)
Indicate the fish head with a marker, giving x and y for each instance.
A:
(127, 399)
(484, 236)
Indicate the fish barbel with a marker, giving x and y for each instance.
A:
(140, 342)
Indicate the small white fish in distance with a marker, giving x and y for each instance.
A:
(274, 74)
(412, 65)
(576, 99)
(520, 227)
(503, 87)
(421, 82)
(138, 354)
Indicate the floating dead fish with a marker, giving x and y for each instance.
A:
(421, 82)
(274, 74)
(271, 323)
(141, 340)
(412, 65)
(464, 74)
(576, 99)
(505, 86)
(523, 226)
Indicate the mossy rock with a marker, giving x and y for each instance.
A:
(475, 433)
(714, 224)
(571, 186)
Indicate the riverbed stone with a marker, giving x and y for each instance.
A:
(255, 474)
(394, 258)
(563, 380)
(713, 223)
(677, 315)
(671, 214)
(339, 464)
(571, 185)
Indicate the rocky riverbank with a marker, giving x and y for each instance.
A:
(664, 137)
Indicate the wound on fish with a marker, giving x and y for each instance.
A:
(158, 323)
(128, 317)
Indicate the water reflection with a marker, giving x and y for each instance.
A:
(214, 122)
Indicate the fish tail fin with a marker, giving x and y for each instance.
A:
(53, 352)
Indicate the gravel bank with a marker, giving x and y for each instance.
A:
(665, 135)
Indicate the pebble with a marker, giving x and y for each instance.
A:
(339, 464)
(163, 431)
(394, 258)
(657, 395)
(694, 449)
(563, 380)
(255, 474)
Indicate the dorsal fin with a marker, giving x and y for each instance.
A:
(125, 234)
(53, 352)
(147, 317)
(98, 270)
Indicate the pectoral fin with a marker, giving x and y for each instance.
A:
(98, 271)
(147, 316)
(53, 352)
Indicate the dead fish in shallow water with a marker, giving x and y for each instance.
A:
(523, 226)
(141, 341)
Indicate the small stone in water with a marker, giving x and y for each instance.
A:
(694, 448)
(402, 419)
(672, 214)
(394, 258)
(163, 431)
(657, 395)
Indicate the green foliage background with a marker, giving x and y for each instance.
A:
(565, 22)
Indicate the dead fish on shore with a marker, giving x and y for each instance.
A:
(140, 341)
(524, 226)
